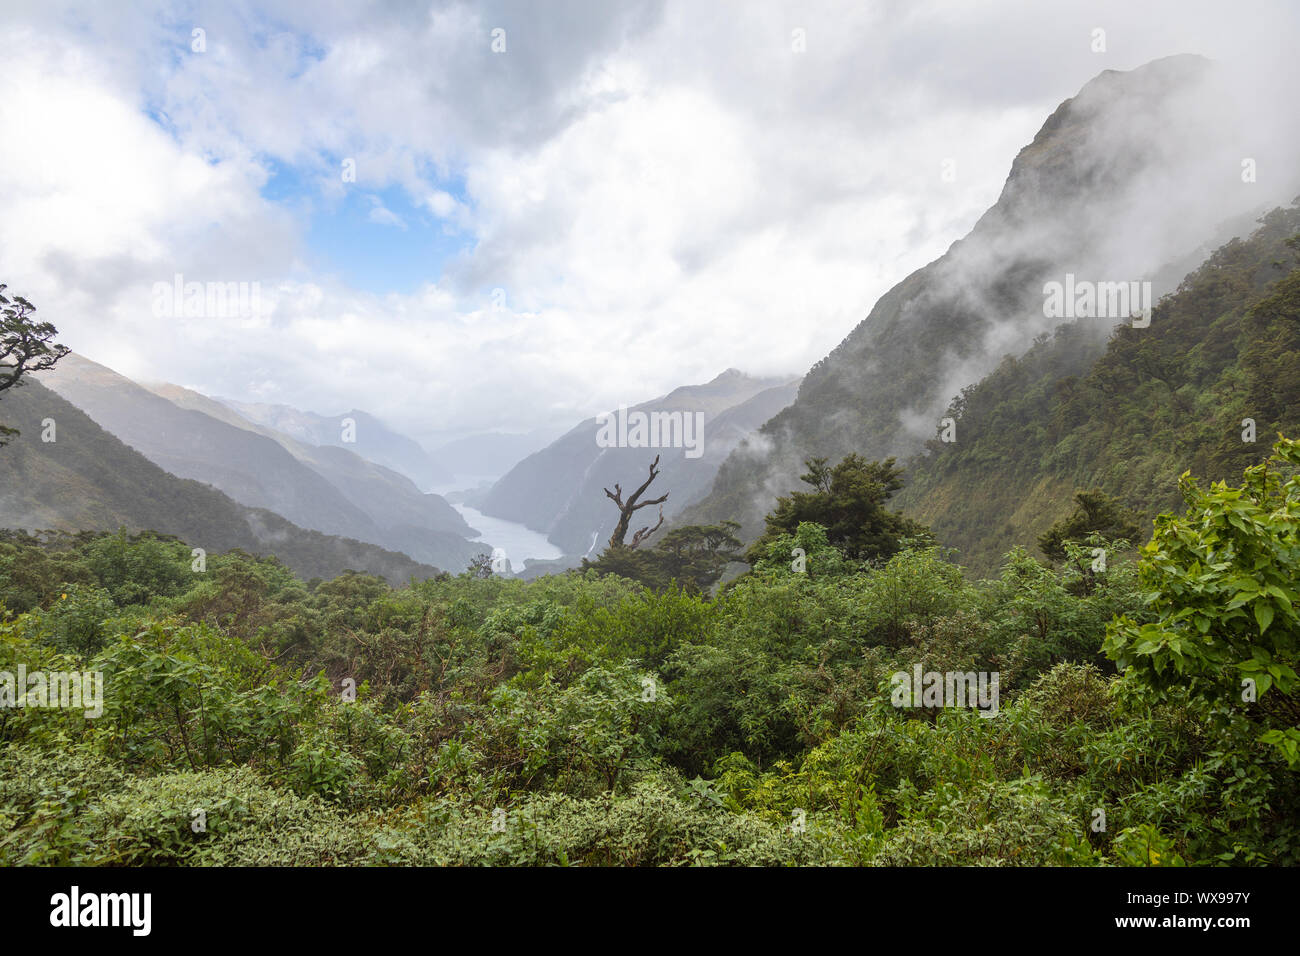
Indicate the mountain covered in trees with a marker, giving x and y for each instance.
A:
(1125, 182)
(85, 479)
(1207, 388)
(328, 488)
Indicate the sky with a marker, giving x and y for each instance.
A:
(513, 216)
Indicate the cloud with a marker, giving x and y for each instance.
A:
(659, 190)
(382, 215)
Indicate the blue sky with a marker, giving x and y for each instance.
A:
(663, 189)
(376, 241)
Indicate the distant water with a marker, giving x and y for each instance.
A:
(519, 542)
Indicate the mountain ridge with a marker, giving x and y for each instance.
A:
(87, 479)
(558, 490)
(336, 492)
(1071, 204)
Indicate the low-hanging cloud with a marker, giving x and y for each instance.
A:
(659, 190)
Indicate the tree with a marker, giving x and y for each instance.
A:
(631, 506)
(480, 566)
(1222, 583)
(1095, 512)
(25, 346)
(806, 551)
(694, 556)
(698, 553)
(848, 501)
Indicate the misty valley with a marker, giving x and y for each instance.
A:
(519, 435)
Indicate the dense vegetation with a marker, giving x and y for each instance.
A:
(848, 500)
(253, 717)
(883, 389)
(1224, 348)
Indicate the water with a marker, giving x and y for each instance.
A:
(518, 542)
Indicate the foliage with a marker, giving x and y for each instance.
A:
(1222, 582)
(26, 346)
(1095, 513)
(587, 719)
(693, 556)
(848, 501)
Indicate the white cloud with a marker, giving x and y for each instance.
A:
(381, 214)
(662, 191)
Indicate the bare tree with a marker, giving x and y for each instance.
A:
(633, 504)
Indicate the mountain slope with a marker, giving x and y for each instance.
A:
(388, 498)
(1154, 403)
(86, 479)
(373, 439)
(1121, 181)
(332, 492)
(558, 490)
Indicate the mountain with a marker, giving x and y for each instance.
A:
(330, 490)
(559, 490)
(86, 479)
(1130, 418)
(404, 514)
(1125, 182)
(372, 438)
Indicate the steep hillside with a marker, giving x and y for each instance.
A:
(333, 492)
(86, 479)
(558, 490)
(1156, 402)
(388, 498)
(1122, 181)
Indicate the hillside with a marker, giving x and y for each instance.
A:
(1116, 187)
(86, 479)
(558, 490)
(404, 515)
(1156, 402)
(333, 491)
(374, 440)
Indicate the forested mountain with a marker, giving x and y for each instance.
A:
(1007, 578)
(403, 513)
(85, 479)
(326, 489)
(1156, 402)
(559, 490)
(1123, 182)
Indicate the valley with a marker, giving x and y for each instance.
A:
(530, 435)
